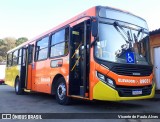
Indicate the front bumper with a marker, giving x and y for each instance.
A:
(101, 91)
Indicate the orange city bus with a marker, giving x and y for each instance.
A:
(100, 54)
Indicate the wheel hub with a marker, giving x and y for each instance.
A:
(17, 87)
(61, 91)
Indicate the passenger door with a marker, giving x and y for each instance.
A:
(30, 66)
(26, 66)
(79, 59)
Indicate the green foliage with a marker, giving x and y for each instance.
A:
(8, 43)
(21, 40)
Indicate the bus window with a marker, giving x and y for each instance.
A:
(24, 57)
(9, 59)
(19, 56)
(15, 57)
(42, 49)
(59, 43)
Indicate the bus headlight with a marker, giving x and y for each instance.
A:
(106, 80)
(101, 76)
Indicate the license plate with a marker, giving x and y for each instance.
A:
(136, 92)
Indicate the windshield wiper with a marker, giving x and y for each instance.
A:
(128, 39)
(136, 37)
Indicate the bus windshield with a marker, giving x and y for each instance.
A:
(122, 44)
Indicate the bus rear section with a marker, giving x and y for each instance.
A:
(101, 54)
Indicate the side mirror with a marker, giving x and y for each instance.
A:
(94, 27)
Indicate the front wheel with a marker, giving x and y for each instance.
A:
(18, 87)
(61, 92)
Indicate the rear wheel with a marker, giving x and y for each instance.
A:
(61, 92)
(18, 87)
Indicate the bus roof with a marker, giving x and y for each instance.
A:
(89, 12)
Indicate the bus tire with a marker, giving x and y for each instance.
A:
(61, 92)
(18, 88)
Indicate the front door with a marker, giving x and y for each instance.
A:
(23, 72)
(30, 66)
(26, 67)
(79, 59)
(157, 67)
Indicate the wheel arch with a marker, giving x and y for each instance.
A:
(54, 82)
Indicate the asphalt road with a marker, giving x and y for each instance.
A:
(44, 103)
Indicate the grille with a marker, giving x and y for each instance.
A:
(127, 91)
(132, 70)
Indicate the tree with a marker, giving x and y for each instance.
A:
(8, 43)
(5, 45)
(21, 40)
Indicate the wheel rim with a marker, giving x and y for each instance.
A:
(61, 91)
(17, 87)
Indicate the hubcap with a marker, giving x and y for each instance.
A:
(17, 87)
(61, 90)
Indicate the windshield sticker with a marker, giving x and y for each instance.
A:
(130, 57)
